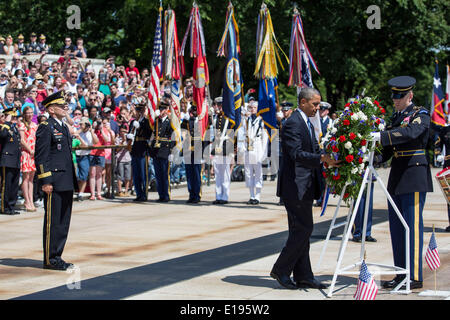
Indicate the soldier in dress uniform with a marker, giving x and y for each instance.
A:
(139, 137)
(192, 152)
(56, 173)
(160, 150)
(43, 47)
(9, 161)
(33, 46)
(255, 141)
(410, 177)
(21, 44)
(222, 149)
(444, 141)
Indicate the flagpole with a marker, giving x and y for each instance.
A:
(435, 285)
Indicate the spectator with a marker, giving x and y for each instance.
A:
(123, 169)
(31, 102)
(32, 75)
(109, 137)
(71, 84)
(81, 101)
(132, 68)
(9, 48)
(97, 162)
(9, 99)
(69, 46)
(58, 84)
(104, 86)
(87, 138)
(80, 50)
(107, 113)
(116, 94)
(77, 115)
(27, 131)
(43, 47)
(21, 45)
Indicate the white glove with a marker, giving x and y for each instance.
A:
(440, 158)
(136, 124)
(375, 136)
(157, 112)
(130, 136)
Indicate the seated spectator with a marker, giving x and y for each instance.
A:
(21, 45)
(80, 50)
(67, 45)
(132, 68)
(9, 47)
(123, 167)
(43, 47)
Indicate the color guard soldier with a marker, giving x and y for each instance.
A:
(410, 177)
(139, 135)
(160, 150)
(9, 161)
(222, 149)
(192, 152)
(56, 172)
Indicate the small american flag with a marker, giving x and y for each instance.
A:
(432, 255)
(154, 90)
(367, 288)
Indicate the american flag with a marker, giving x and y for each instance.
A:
(154, 93)
(432, 255)
(367, 288)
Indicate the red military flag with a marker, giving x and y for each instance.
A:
(437, 116)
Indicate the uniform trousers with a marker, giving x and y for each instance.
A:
(194, 180)
(140, 176)
(162, 177)
(10, 188)
(410, 206)
(58, 210)
(222, 173)
(294, 258)
(254, 179)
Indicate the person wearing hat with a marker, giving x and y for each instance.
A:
(56, 172)
(192, 152)
(325, 120)
(9, 161)
(33, 46)
(405, 141)
(160, 149)
(43, 46)
(21, 44)
(222, 150)
(255, 146)
(139, 135)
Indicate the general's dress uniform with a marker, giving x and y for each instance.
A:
(55, 167)
(223, 152)
(409, 179)
(256, 141)
(9, 163)
(142, 132)
(160, 149)
(444, 141)
(192, 152)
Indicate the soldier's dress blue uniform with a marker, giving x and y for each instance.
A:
(192, 152)
(160, 149)
(409, 179)
(9, 164)
(54, 164)
(139, 157)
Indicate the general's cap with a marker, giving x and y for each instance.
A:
(55, 98)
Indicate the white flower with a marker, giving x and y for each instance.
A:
(354, 117)
(354, 170)
(362, 115)
(348, 145)
(333, 130)
(364, 149)
(381, 127)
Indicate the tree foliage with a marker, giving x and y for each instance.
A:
(349, 55)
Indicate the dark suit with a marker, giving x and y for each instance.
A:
(298, 186)
(9, 165)
(55, 166)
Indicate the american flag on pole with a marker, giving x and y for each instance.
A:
(154, 94)
(367, 288)
(432, 255)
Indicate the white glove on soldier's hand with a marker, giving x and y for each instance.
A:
(130, 136)
(136, 124)
(376, 136)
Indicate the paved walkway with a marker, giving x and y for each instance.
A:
(126, 250)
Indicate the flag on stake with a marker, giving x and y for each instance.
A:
(173, 71)
(232, 96)
(201, 72)
(437, 116)
(367, 288)
(154, 94)
(432, 255)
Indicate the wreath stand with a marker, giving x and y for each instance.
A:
(383, 269)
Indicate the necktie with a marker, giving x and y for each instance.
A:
(311, 130)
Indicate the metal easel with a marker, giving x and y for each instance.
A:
(384, 269)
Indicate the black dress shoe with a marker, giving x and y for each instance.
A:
(251, 201)
(414, 284)
(447, 229)
(60, 265)
(394, 282)
(356, 239)
(195, 201)
(10, 212)
(371, 239)
(255, 201)
(139, 199)
(312, 283)
(216, 202)
(285, 281)
(190, 201)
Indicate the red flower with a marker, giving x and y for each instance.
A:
(376, 103)
(363, 142)
(349, 158)
(324, 174)
(347, 105)
(342, 138)
(352, 136)
(383, 111)
(378, 121)
(346, 122)
(337, 177)
(346, 195)
(360, 160)
(333, 139)
(335, 149)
